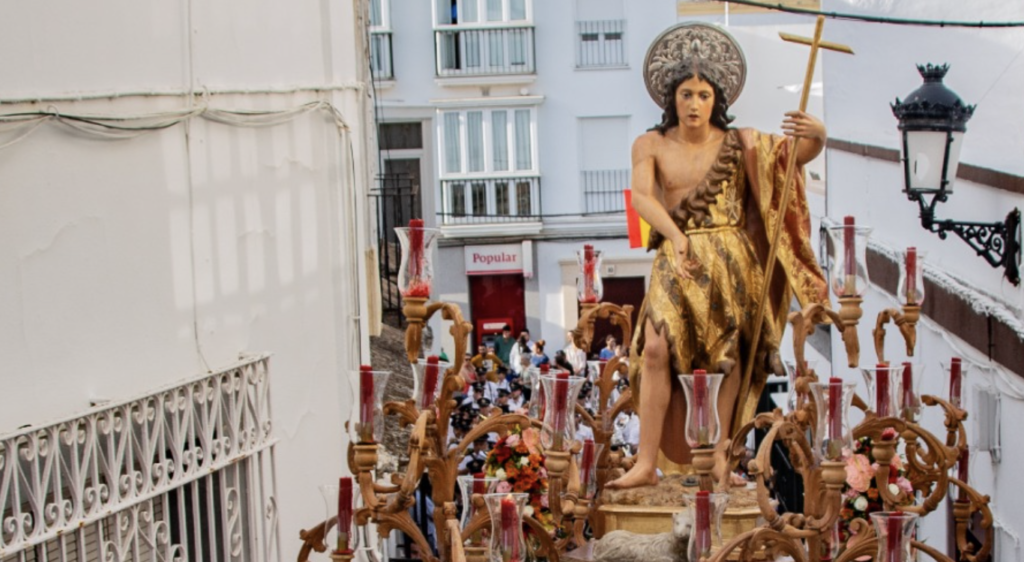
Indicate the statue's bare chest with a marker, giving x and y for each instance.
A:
(681, 168)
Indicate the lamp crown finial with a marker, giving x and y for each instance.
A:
(933, 72)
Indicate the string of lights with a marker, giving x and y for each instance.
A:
(874, 19)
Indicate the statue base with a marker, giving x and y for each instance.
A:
(649, 510)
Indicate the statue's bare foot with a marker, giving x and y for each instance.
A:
(636, 477)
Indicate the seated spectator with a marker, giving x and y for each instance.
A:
(609, 349)
(516, 400)
(539, 357)
(561, 362)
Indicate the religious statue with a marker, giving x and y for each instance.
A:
(711, 194)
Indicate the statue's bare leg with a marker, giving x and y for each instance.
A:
(655, 392)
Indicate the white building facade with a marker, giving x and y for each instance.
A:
(184, 270)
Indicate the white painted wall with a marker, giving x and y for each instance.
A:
(130, 264)
(987, 70)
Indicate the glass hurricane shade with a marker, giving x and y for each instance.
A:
(793, 400)
(885, 389)
(848, 266)
(894, 530)
(470, 484)
(910, 288)
(589, 287)
(428, 376)
(369, 386)
(833, 433)
(506, 510)
(343, 535)
(704, 541)
(416, 268)
(559, 407)
(702, 425)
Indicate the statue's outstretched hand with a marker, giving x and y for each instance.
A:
(686, 266)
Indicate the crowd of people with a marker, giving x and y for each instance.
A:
(503, 377)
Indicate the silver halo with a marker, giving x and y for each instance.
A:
(694, 40)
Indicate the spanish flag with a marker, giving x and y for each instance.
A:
(639, 230)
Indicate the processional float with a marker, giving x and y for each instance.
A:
(816, 432)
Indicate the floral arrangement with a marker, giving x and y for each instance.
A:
(861, 496)
(517, 460)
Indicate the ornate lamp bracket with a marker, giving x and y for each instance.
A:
(999, 243)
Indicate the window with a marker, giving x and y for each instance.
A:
(488, 141)
(604, 163)
(380, 40)
(483, 37)
(466, 12)
(600, 34)
(488, 165)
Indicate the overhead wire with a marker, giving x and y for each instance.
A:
(874, 19)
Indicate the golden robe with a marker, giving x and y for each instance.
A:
(708, 320)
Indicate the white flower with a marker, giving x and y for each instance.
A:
(500, 474)
(894, 489)
(523, 461)
(528, 510)
(860, 504)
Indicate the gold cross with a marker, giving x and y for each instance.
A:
(815, 43)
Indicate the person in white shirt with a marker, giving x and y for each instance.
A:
(519, 357)
(576, 356)
(516, 400)
(583, 431)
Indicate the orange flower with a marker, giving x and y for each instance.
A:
(873, 493)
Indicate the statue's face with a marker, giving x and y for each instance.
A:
(695, 99)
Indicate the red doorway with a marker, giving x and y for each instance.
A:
(621, 291)
(497, 296)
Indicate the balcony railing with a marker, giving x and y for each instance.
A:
(602, 190)
(491, 200)
(600, 43)
(464, 51)
(380, 55)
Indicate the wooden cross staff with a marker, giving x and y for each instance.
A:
(815, 44)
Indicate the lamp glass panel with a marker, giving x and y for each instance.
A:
(925, 153)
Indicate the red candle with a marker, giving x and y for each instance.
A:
(700, 405)
(545, 368)
(429, 382)
(702, 523)
(882, 390)
(586, 465)
(961, 474)
(365, 404)
(908, 390)
(418, 286)
(600, 368)
(954, 381)
(911, 266)
(849, 247)
(479, 483)
(589, 265)
(835, 398)
(509, 521)
(894, 537)
(561, 399)
(344, 513)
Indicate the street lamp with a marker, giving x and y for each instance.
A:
(933, 120)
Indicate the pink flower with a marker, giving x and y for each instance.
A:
(543, 472)
(851, 493)
(503, 488)
(905, 485)
(512, 440)
(544, 500)
(532, 439)
(896, 463)
(859, 473)
(888, 434)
